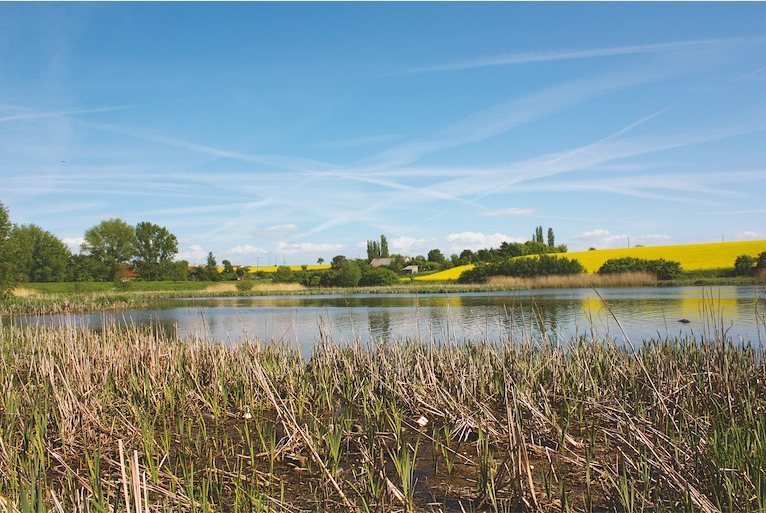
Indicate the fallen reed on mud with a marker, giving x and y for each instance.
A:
(131, 419)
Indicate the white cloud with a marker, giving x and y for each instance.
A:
(74, 243)
(509, 212)
(306, 247)
(279, 230)
(247, 249)
(194, 254)
(407, 246)
(747, 235)
(475, 241)
(603, 239)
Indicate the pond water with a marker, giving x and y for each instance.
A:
(735, 312)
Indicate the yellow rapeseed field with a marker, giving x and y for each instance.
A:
(448, 275)
(273, 268)
(692, 257)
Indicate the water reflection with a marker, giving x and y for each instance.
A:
(501, 316)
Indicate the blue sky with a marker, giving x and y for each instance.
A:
(286, 132)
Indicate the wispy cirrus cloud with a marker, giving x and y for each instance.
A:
(524, 175)
(589, 53)
(279, 230)
(502, 117)
(358, 141)
(291, 248)
(26, 114)
(513, 211)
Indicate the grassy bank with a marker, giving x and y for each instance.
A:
(131, 420)
(58, 298)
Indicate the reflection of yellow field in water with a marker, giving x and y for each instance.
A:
(692, 257)
(263, 287)
(705, 308)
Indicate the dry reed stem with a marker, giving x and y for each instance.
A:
(522, 467)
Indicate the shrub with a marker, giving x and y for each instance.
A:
(379, 276)
(244, 284)
(664, 269)
(744, 265)
(283, 274)
(525, 267)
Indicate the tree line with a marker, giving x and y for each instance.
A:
(112, 250)
(435, 260)
(115, 251)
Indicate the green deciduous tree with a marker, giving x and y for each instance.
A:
(283, 274)
(40, 255)
(744, 265)
(337, 262)
(760, 264)
(228, 273)
(349, 274)
(9, 274)
(111, 243)
(379, 276)
(436, 256)
(154, 251)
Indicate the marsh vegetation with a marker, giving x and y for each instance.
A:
(130, 419)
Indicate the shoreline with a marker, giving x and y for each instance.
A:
(62, 298)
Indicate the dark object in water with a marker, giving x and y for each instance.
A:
(685, 321)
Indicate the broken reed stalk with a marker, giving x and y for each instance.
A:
(291, 423)
(640, 363)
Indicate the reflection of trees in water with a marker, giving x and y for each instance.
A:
(537, 319)
(557, 315)
(380, 324)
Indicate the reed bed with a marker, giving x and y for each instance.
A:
(131, 419)
(35, 302)
(575, 281)
(256, 287)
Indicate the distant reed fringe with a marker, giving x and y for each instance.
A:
(574, 281)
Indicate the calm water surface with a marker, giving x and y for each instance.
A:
(737, 312)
